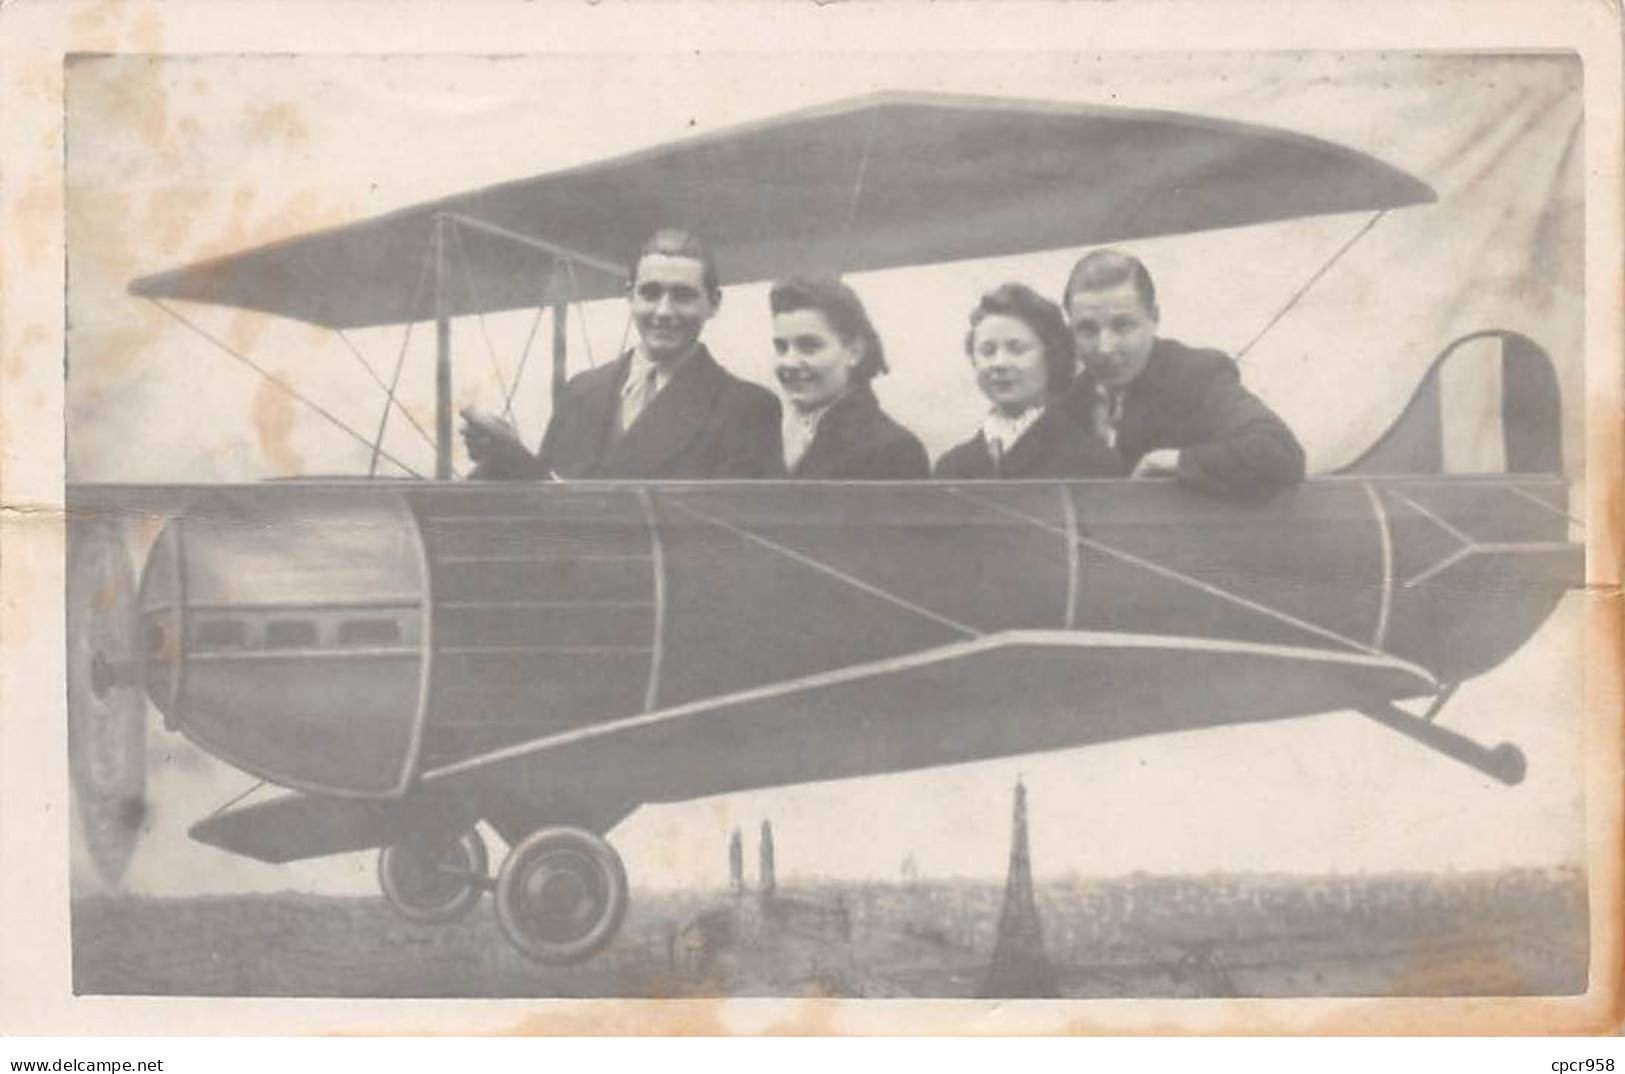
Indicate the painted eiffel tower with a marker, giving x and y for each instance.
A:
(1019, 968)
(736, 863)
(767, 878)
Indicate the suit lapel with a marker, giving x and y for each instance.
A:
(836, 433)
(981, 460)
(587, 417)
(669, 423)
(1028, 450)
(1135, 429)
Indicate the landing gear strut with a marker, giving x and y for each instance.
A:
(1504, 762)
(561, 894)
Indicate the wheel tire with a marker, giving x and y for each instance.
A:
(431, 881)
(561, 895)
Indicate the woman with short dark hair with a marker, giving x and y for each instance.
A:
(1022, 354)
(826, 351)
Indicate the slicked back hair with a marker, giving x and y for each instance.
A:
(844, 311)
(676, 242)
(1102, 269)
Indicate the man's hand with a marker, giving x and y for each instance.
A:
(1164, 462)
(494, 444)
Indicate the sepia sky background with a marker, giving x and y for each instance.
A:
(172, 160)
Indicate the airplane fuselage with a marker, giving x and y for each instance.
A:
(350, 639)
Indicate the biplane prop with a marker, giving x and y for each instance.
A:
(410, 658)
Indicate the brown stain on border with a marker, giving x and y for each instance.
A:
(1605, 668)
(643, 1018)
(278, 121)
(171, 213)
(33, 220)
(117, 25)
(272, 413)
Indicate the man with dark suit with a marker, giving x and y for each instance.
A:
(664, 409)
(1167, 408)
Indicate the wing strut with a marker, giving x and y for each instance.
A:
(562, 255)
(561, 345)
(442, 355)
(390, 399)
(485, 332)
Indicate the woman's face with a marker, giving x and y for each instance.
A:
(1009, 363)
(813, 364)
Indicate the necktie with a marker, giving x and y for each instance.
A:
(1111, 412)
(635, 396)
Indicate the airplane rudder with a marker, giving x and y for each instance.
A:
(1488, 404)
(1532, 407)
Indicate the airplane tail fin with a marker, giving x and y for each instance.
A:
(1489, 404)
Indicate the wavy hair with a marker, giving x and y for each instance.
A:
(844, 311)
(1043, 317)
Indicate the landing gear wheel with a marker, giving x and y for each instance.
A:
(561, 895)
(433, 880)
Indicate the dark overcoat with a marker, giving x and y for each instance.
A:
(1058, 444)
(705, 423)
(1230, 443)
(857, 441)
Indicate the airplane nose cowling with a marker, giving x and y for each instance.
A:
(282, 629)
(159, 605)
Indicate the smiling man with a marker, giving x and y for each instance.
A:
(1167, 408)
(664, 409)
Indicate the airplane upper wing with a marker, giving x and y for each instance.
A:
(1009, 693)
(873, 182)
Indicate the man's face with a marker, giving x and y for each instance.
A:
(1114, 332)
(670, 305)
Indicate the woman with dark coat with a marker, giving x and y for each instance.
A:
(826, 352)
(1022, 354)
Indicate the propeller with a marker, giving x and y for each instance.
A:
(107, 705)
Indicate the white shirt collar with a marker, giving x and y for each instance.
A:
(642, 365)
(1001, 432)
(799, 428)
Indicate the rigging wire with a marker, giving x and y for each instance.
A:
(376, 379)
(400, 363)
(280, 383)
(235, 800)
(479, 314)
(524, 355)
(1297, 295)
(536, 323)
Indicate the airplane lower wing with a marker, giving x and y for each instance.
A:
(298, 826)
(1015, 692)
